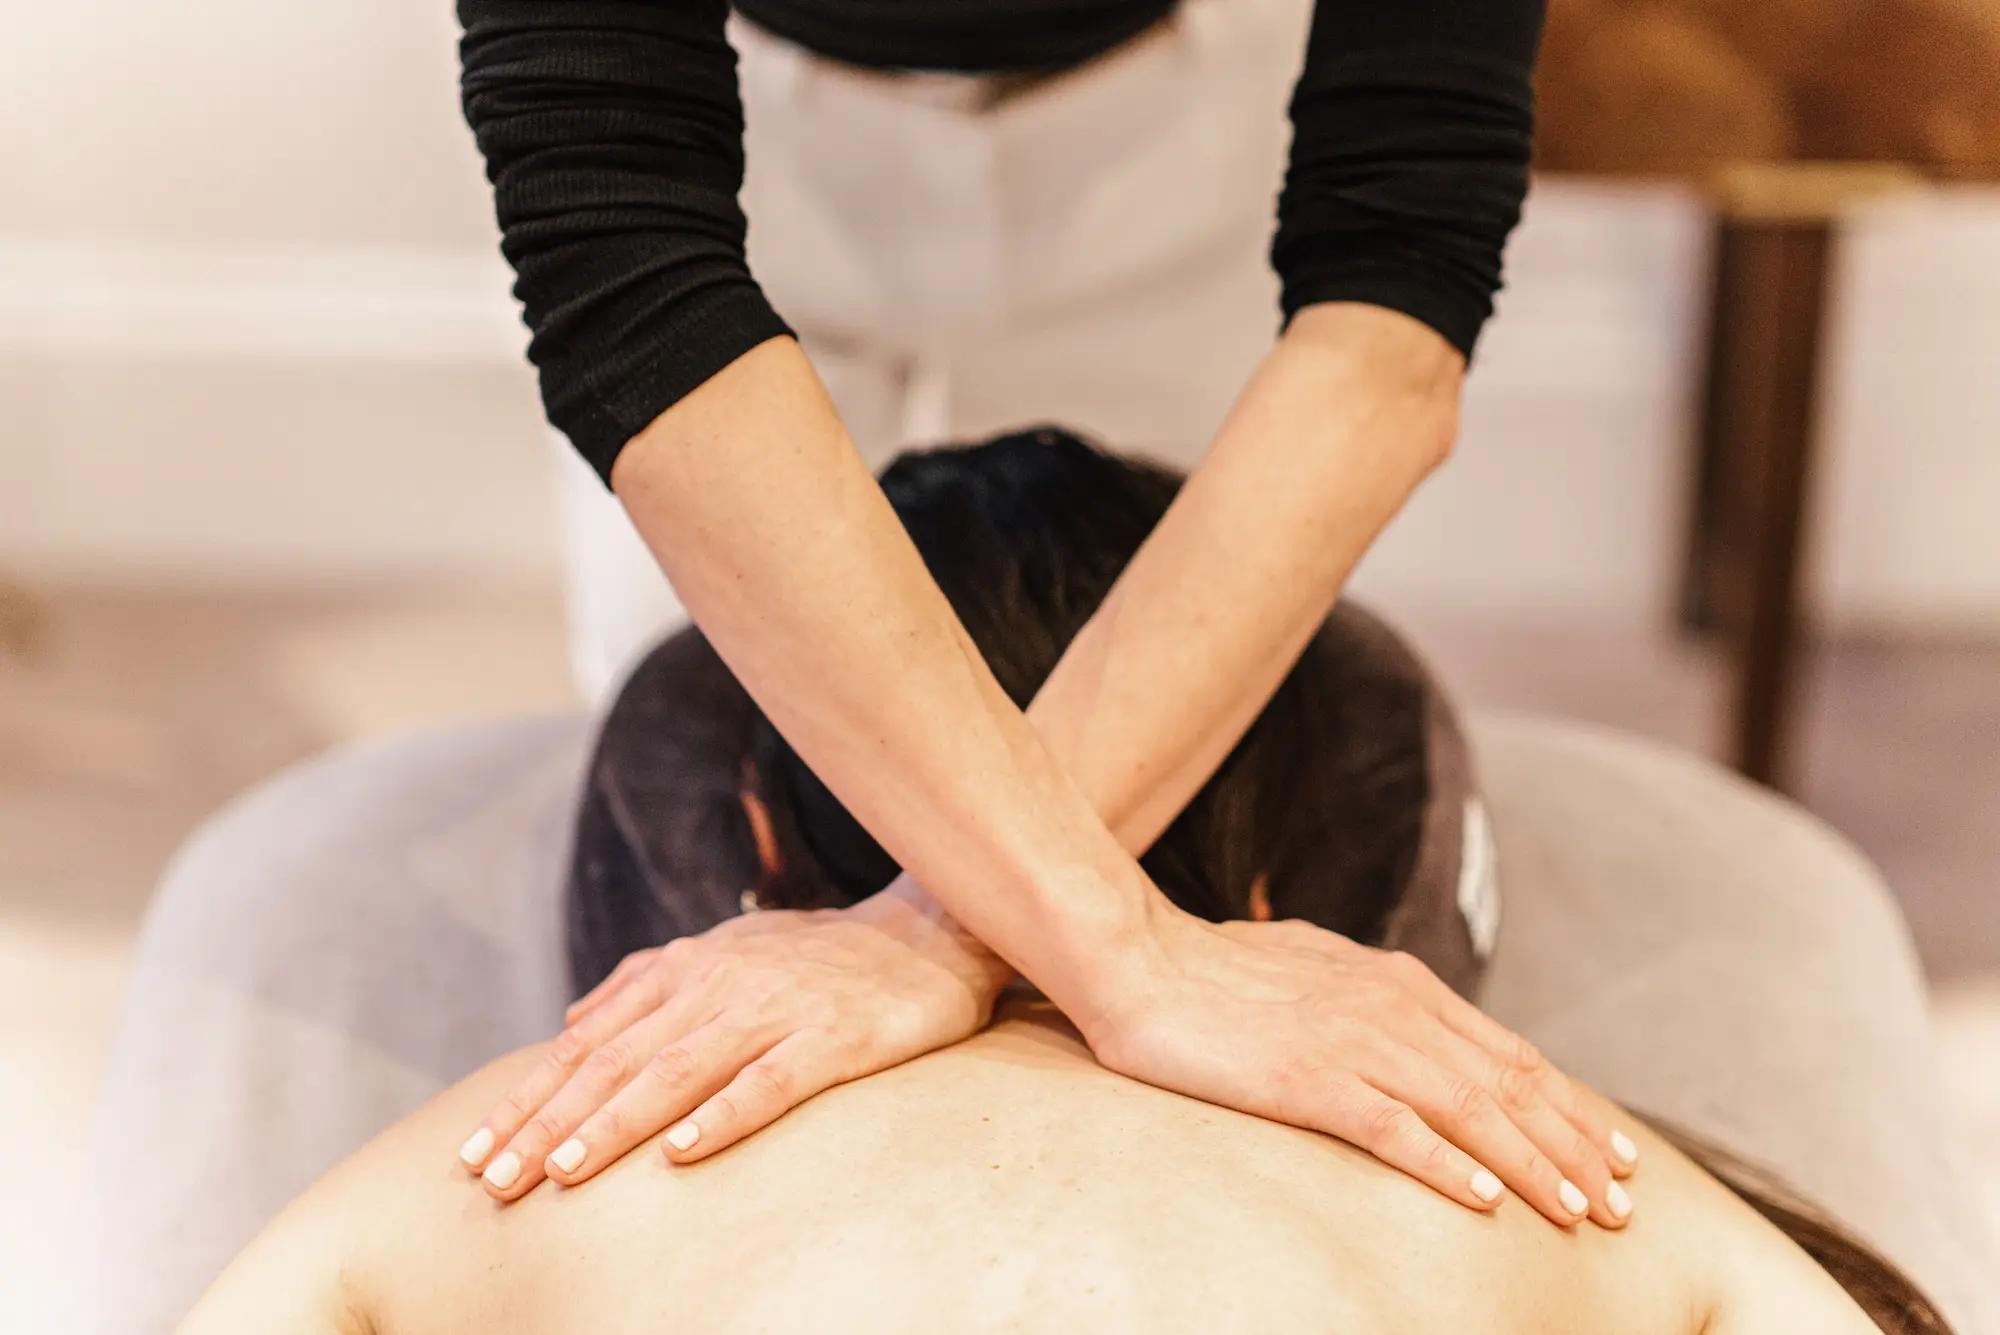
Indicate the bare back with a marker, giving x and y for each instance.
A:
(1005, 1183)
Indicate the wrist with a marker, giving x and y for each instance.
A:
(906, 910)
(1109, 970)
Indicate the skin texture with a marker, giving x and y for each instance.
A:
(1006, 1183)
(1017, 832)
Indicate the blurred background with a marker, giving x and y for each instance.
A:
(1729, 474)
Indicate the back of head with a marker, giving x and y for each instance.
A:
(1323, 800)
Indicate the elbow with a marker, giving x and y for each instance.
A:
(1430, 387)
(1438, 418)
(1412, 375)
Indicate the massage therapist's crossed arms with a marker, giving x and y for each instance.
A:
(611, 133)
(1008, 1182)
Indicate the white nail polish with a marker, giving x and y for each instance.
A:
(1572, 1197)
(568, 1155)
(1622, 1146)
(683, 1135)
(1620, 1203)
(476, 1147)
(503, 1171)
(1486, 1186)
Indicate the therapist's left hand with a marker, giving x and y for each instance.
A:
(715, 1036)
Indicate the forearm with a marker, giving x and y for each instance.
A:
(1324, 446)
(788, 556)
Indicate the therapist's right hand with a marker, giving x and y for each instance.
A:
(713, 1037)
(1301, 1025)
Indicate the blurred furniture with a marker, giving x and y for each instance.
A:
(354, 935)
(1790, 113)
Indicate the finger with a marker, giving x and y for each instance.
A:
(519, 1165)
(558, 1063)
(1595, 1116)
(1523, 1102)
(624, 972)
(1393, 1132)
(762, 1092)
(1598, 1118)
(1465, 1113)
(675, 1080)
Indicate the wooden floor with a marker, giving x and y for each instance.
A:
(124, 718)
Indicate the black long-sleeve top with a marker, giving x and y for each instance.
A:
(613, 136)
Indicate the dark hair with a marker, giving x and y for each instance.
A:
(1889, 1297)
(1324, 795)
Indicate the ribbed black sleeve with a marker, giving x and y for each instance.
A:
(613, 136)
(1411, 128)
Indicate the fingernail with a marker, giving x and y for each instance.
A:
(1620, 1203)
(476, 1147)
(1572, 1197)
(1486, 1186)
(1622, 1146)
(503, 1171)
(568, 1155)
(683, 1135)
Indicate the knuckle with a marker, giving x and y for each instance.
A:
(1525, 1056)
(609, 1065)
(1386, 1123)
(766, 1085)
(606, 1126)
(1408, 967)
(569, 1048)
(1582, 1156)
(1297, 932)
(672, 1066)
(1517, 1088)
(1468, 1102)
(1541, 1170)
(544, 1127)
(551, 1070)
(519, 1102)
(1436, 1159)
(1293, 1075)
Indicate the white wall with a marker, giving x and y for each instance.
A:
(1565, 491)
(252, 325)
(1909, 532)
(1568, 488)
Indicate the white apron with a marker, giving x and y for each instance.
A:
(965, 253)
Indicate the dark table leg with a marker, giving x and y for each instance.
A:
(1755, 469)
